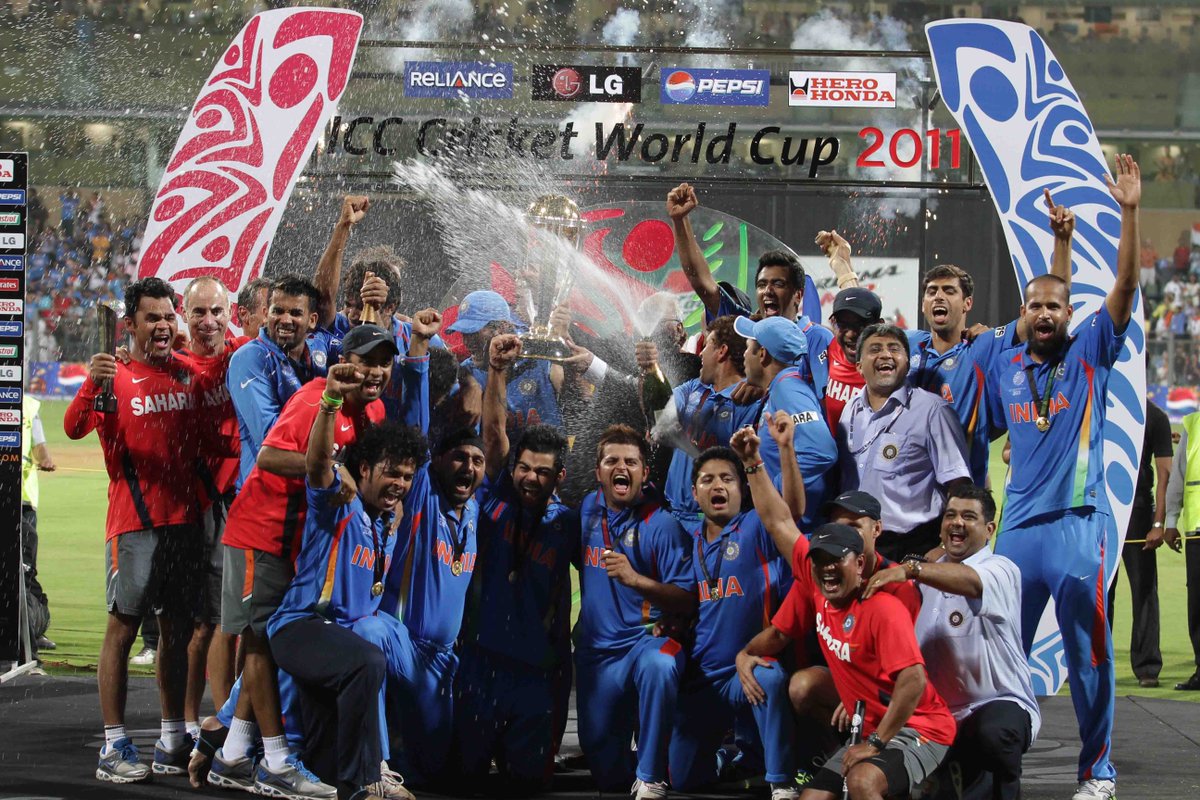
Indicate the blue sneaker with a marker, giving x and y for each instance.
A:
(172, 762)
(293, 782)
(121, 765)
(231, 774)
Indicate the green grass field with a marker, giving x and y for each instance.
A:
(71, 567)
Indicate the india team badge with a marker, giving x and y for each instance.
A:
(889, 452)
(849, 623)
(732, 551)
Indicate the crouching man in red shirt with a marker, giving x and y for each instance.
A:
(872, 654)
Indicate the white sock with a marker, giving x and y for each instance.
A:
(239, 741)
(173, 734)
(275, 752)
(112, 735)
(193, 728)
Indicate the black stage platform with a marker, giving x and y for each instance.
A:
(50, 732)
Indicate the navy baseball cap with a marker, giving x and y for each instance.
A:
(835, 539)
(362, 339)
(856, 502)
(478, 309)
(863, 303)
(778, 336)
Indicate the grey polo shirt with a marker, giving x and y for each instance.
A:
(902, 454)
(972, 647)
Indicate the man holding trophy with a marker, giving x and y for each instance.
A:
(144, 414)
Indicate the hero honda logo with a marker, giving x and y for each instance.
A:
(10, 417)
(593, 84)
(842, 89)
(458, 79)
(716, 87)
(9, 306)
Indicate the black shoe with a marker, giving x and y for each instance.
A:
(43, 643)
(1148, 683)
(1192, 684)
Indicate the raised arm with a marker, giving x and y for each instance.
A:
(502, 353)
(775, 514)
(1062, 222)
(318, 460)
(415, 369)
(680, 202)
(783, 430)
(838, 251)
(329, 268)
(1127, 191)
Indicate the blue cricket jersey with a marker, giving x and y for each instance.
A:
(261, 377)
(816, 450)
(753, 579)
(612, 616)
(814, 369)
(338, 562)
(1063, 468)
(521, 599)
(709, 419)
(393, 393)
(959, 376)
(531, 396)
(421, 587)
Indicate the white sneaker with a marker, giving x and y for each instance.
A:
(391, 785)
(783, 791)
(1096, 790)
(648, 791)
(145, 657)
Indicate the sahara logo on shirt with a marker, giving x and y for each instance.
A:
(157, 403)
(836, 646)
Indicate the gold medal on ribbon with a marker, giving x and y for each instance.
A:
(715, 591)
(456, 567)
(1043, 424)
(376, 589)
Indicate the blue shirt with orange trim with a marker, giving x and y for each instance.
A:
(520, 604)
(816, 450)
(959, 376)
(742, 581)
(531, 396)
(339, 561)
(393, 393)
(612, 616)
(422, 587)
(1063, 468)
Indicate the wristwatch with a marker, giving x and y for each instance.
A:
(1156, 525)
(875, 741)
(912, 568)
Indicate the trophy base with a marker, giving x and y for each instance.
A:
(545, 348)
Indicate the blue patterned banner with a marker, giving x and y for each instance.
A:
(1028, 129)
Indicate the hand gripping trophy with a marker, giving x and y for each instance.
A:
(555, 234)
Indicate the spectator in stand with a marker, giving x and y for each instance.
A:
(69, 200)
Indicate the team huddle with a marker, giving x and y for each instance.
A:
(363, 547)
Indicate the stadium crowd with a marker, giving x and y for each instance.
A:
(783, 562)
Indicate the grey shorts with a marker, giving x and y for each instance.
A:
(213, 523)
(155, 570)
(253, 585)
(908, 759)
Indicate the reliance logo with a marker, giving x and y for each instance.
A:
(456, 79)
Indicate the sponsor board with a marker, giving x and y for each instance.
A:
(12, 327)
(12, 196)
(10, 417)
(12, 241)
(12, 263)
(10, 439)
(10, 394)
(10, 374)
(842, 89)
(7, 170)
(8, 351)
(458, 79)
(10, 217)
(10, 284)
(11, 306)
(716, 87)
(586, 83)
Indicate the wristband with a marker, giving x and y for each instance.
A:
(875, 741)
(333, 402)
(750, 470)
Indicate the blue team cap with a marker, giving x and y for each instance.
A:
(778, 336)
(478, 309)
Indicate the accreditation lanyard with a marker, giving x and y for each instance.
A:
(885, 428)
(713, 579)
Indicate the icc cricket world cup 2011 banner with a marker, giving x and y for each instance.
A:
(1029, 131)
(244, 144)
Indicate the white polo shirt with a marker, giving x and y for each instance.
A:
(972, 647)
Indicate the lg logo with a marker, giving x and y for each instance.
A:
(587, 83)
(566, 83)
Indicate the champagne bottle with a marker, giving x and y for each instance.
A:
(655, 392)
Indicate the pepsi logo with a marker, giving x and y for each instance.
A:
(567, 83)
(681, 86)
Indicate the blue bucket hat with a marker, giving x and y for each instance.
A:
(478, 309)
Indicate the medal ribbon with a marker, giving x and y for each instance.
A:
(379, 547)
(460, 544)
(713, 580)
(1042, 404)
